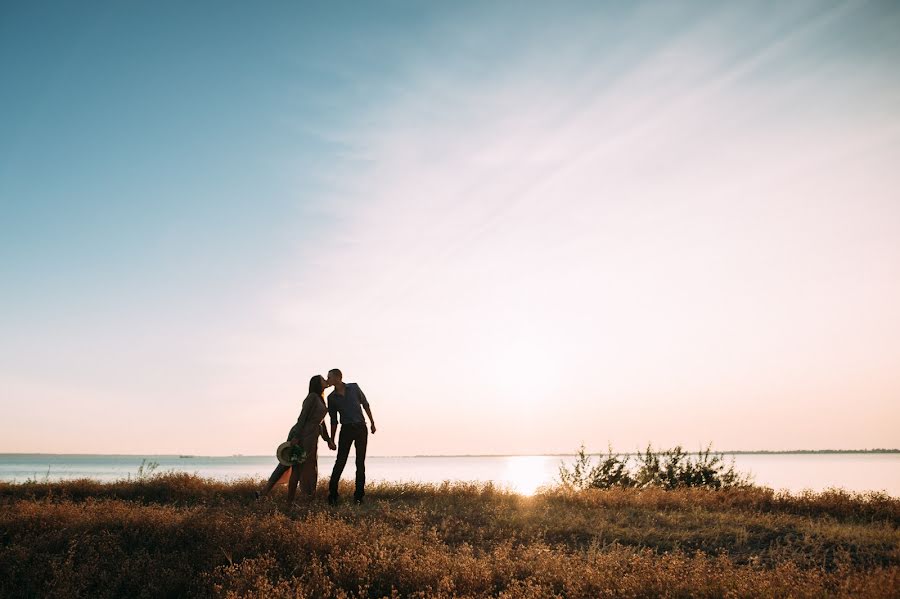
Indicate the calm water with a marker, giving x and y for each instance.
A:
(794, 472)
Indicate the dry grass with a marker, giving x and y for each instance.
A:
(176, 535)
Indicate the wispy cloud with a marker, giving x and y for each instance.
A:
(646, 234)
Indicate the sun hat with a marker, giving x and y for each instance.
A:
(283, 453)
(289, 455)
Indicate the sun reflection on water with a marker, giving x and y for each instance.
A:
(526, 474)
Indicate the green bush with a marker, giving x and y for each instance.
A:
(611, 471)
(670, 469)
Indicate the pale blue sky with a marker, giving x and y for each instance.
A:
(587, 221)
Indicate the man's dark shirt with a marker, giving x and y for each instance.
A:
(349, 405)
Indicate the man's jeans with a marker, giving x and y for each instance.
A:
(350, 433)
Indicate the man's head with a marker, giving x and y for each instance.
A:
(335, 376)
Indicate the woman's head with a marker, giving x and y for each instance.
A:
(317, 384)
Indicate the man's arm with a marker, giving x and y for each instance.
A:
(371, 419)
(332, 411)
(365, 404)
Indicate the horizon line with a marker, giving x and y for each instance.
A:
(476, 455)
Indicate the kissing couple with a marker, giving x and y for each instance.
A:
(346, 400)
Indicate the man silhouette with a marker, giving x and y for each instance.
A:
(349, 401)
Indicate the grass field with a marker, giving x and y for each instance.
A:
(173, 535)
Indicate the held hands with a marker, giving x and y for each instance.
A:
(331, 445)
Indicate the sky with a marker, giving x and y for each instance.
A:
(519, 226)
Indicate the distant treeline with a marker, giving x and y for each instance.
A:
(763, 452)
(808, 451)
(636, 453)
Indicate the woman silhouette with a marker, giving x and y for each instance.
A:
(306, 432)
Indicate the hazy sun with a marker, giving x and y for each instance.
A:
(525, 474)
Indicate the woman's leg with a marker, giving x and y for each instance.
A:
(310, 474)
(292, 483)
(273, 480)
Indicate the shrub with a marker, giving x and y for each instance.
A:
(670, 469)
(611, 471)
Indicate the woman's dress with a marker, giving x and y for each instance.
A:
(309, 427)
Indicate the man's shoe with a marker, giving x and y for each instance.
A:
(358, 500)
(332, 500)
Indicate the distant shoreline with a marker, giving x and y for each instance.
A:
(486, 455)
(735, 452)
